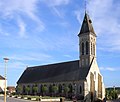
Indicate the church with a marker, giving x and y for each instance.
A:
(81, 77)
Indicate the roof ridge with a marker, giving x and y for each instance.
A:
(53, 64)
(1, 77)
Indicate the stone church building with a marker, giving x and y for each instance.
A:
(81, 77)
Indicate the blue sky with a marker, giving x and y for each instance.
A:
(38, 32)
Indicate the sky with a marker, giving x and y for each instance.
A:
(39, 32)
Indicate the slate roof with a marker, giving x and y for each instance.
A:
(87, 25)
(60, 72)
(2, 78)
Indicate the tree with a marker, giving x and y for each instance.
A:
(44, 89)
(111, 94)
(27, 89)
(19, 89)
(54, 89)
(66, 90)
(114, 94)
(35, 89)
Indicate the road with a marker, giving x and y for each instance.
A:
(118, 100)
(10, 99)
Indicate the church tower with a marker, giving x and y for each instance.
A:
(87, 42)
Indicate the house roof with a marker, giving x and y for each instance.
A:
(11, 88)
(60, 72)
(87, 25)
(1, 89)
(2, 78)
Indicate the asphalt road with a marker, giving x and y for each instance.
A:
(10, 99)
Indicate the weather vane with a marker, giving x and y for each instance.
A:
(85, 5)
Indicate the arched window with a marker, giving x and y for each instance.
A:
(87, 47)
(70, 87)
(32, 89)
(41, 91)
(23, 89)
(91, 49)
(82, 62)
(50, 89)
(82, 48)
(80, 89)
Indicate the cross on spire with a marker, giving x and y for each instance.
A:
(85, 5)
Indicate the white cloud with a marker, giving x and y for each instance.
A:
(56, 2)
(14, 65)
(57, 12)
(11, 7)
(53, 4)
(15, 9)
(17, 65)
(78, 15)
(31, 57)
(109, 69)
(40, 24)
(3, 32)
(21, 61)
(57, 43)
(22, 28)
(68, 56)
(59, 2)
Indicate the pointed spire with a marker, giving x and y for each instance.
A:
(87, 25)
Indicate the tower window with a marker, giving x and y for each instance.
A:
(91, 49)
(87, 47)
(82, 62)
(82, 48)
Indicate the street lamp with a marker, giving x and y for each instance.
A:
(6, 60)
